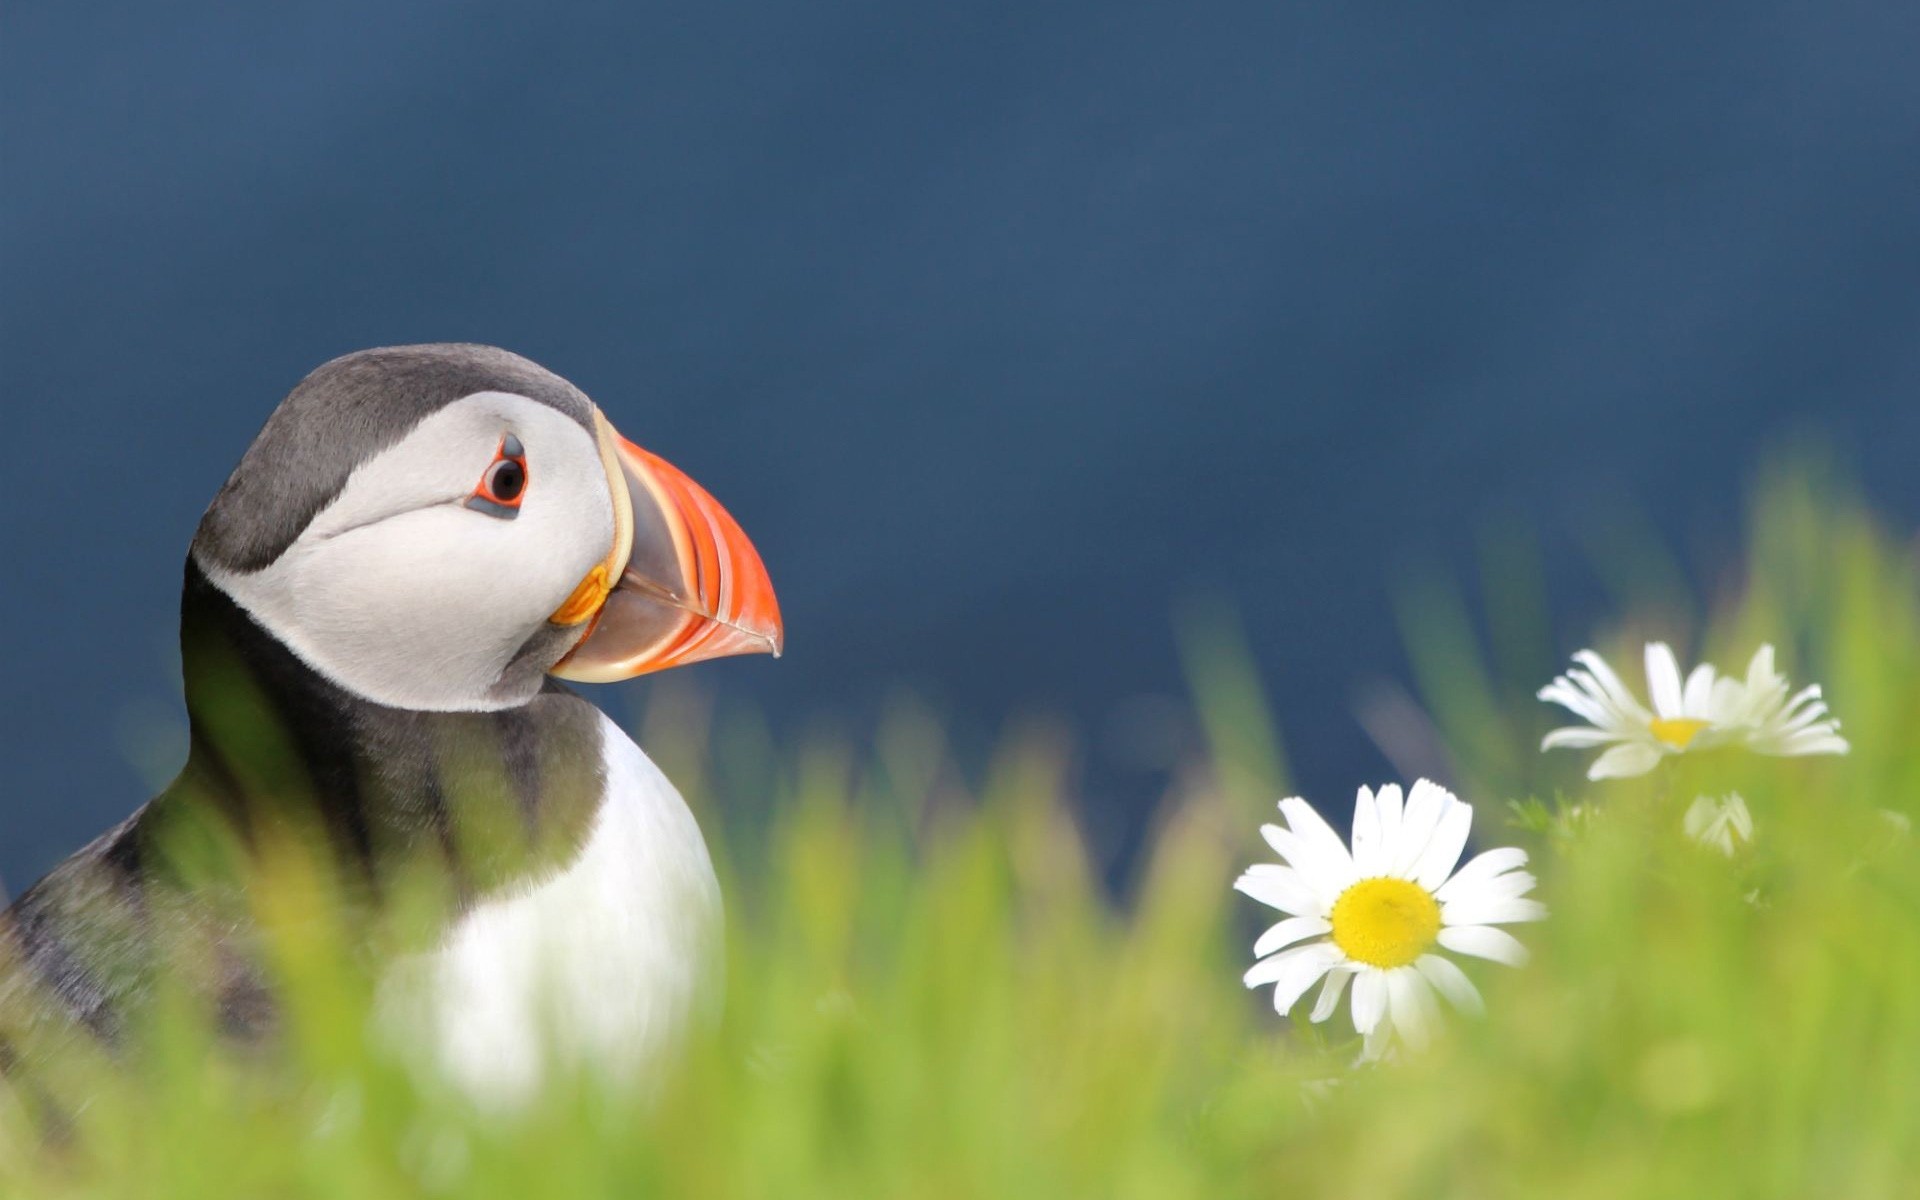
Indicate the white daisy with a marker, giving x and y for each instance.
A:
(1771, 722)
(1705, 710)
(1722, 824)
(1682, 716)
(1375, 915)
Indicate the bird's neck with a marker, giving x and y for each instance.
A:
(279, 749)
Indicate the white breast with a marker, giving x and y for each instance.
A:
(601, 966)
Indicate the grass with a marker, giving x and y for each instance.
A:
(931, 993)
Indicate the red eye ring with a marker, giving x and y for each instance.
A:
(504, 485)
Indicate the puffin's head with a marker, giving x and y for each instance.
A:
(439, 527)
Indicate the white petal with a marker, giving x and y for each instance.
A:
(1700, 816)
(1720, 823)
(1739, 816)
(1369, 1000)
(1617, 693)
(1378, 1042)
(1630, 758)
(1730, 703)
(1492, 912)
(1330, 994)
(1576, 701)
(1386, 802)
(1479, 869)
(1410, 1004)
(1323, 874)
(1696, 698)
(1806, 695)
(1805, 718)
(1426, 804)
(1369, 851)
(1500, 887)
(1577, 737)
(1286, 963)
(1823, 738)
(1321, 841)
(1297, 970)
(1452, 983)
(1282, 888)
(1443, 851)
(1663, 679)
(1284, 843)
(1799, 742)
(1484, 941)
(1760, 705)
(1287, 932)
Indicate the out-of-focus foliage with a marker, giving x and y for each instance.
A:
(932, 993)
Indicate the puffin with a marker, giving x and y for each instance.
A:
(382, 608)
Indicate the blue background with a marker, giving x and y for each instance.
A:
(1000, 327)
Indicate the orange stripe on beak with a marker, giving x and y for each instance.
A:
(692, 588)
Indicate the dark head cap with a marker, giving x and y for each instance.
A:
(341, 415)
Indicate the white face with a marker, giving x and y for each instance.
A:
(406, 593)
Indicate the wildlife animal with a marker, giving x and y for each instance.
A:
(379, 609)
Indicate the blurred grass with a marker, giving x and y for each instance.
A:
(932, 994)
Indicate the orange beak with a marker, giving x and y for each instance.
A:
(681, 584)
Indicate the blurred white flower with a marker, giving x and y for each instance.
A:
(1722, 824)
(1315, 1093)
(1682, 717)
(1375, 915)
(1705, 710)
(1771, 722)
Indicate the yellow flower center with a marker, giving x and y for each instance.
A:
(1385, 922)
(1677, 732)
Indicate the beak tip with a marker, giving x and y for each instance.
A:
(772, 641)
(699, 591)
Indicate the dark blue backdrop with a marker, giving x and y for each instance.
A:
(998, 326)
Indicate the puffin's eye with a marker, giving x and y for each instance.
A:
(505, 483)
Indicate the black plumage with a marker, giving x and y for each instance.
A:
(281, 757)
(486, 801)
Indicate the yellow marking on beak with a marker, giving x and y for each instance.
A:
(591, 595)
(586, 599)
(608, 440)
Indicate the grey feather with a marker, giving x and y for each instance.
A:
(338, 417)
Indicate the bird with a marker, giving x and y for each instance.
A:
(381, 611)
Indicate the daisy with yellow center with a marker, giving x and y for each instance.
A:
(1378, 915)
(1705, 710)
